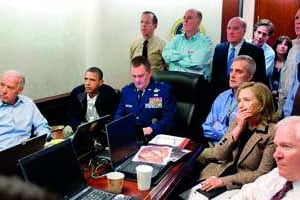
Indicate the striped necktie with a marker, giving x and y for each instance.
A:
(281, 193)
(230, 59)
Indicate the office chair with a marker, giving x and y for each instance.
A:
(194, 97)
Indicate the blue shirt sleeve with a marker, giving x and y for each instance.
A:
(222, 112)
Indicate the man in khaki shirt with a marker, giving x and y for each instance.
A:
(149, 45)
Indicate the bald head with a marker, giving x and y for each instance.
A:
(191, 21)
(236, 29)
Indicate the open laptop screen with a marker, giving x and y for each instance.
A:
(9, 157)
(121, 136)
(86, 134)
(55, 169)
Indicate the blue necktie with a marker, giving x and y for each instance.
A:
(230, 59)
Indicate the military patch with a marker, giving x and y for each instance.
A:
(154, 102)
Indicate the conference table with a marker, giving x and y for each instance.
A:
(165, 186)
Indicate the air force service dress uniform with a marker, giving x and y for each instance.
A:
(156, 108)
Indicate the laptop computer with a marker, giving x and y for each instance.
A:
(57, 170)
(122, 143)
(10, 156)
(89, 136)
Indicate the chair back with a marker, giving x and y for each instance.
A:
(194, 96)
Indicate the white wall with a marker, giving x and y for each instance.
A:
(119, 26)
(44, 41)
(52, 41)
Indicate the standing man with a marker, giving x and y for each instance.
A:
(288, 70)
(149, 45)
(283, 181)
(20, 119)
(263, 30)
(292, 103)
(93, 99)
(224, 107)
(225, 53)
(152, 102)
(192, 50)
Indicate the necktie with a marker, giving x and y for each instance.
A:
(145, 49)
(230, 59)
(139, 95)
(280, 194)
(296, 104)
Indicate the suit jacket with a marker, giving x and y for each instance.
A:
(255, 159)
(156, 108)
(106, 103)
(219, 79)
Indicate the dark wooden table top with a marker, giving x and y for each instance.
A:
(164, 187)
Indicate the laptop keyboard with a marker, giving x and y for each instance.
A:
(94, 194)
(129, 167)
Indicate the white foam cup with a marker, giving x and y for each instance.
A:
(144, 174)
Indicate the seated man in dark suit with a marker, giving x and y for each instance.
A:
(93, 99)
(225, 53)
(152, 102)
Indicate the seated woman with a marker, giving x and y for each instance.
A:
(281, 48)
(245, 151)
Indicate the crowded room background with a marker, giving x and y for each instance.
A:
(53, 42)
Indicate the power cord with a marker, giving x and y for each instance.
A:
(97, 164)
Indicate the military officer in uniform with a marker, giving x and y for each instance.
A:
(152, 102)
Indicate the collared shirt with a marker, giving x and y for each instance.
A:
(286, 74)
(237, 48)
(91, 111)
(155, 47)
(18, 120)
(223, 110)
(266, 186)
(193, 55)
(269, 59)
(288, 106)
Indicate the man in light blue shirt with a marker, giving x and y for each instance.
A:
(19, 117)
(289, 108)
(263, 30)
(224, 107)
(191, 51)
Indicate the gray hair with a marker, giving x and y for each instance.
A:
(251, 64)
(16, 73)
(293, 123)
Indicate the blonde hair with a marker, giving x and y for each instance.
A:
(264, 96)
